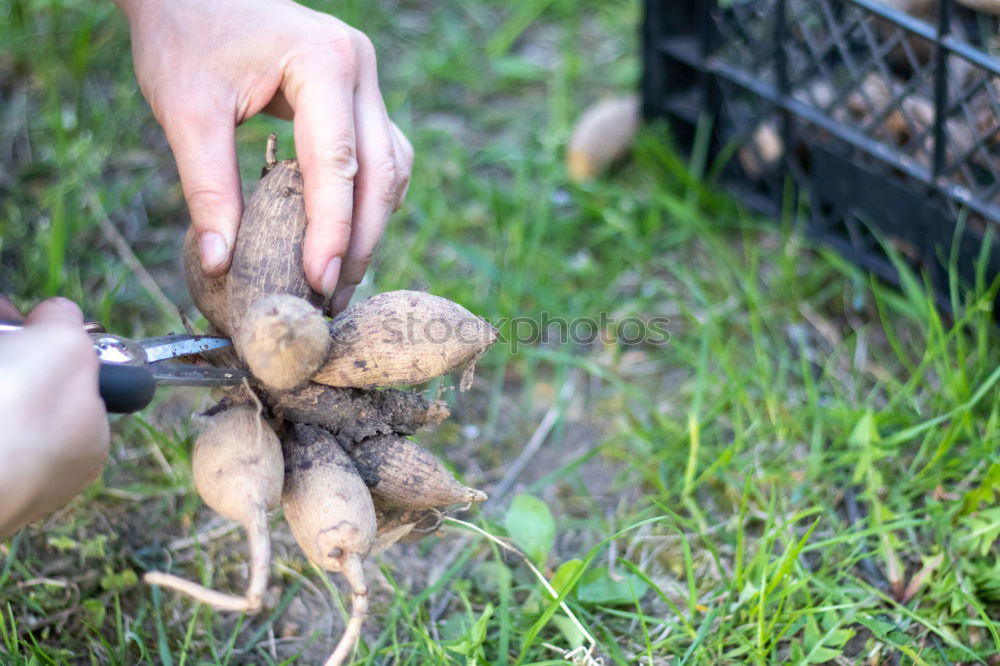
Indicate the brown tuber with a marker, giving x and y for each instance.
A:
(602, 135)
(283, 340)
(267, 258)
(238, 471)
(403, 337)
(331, 516)
(404, 475)
(763, 149)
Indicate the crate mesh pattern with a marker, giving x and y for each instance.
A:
(884, 115)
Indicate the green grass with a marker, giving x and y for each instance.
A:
(807, 471)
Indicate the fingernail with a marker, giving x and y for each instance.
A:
(342, 299)
(330, 276)
(214, 250)
(56, 309)
(63, 307)
(63, 303)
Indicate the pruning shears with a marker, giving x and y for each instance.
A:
(132, 369)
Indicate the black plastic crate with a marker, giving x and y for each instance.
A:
(881, 120)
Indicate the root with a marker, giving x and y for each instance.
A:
(217, 600)
(259, 539)
(258, 536)
(355, 576)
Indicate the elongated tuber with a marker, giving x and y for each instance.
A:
(238, 471)
(403, 337)
(402, 474)
(331, 515)
(267, 258)
(283, 340)
(602, 134)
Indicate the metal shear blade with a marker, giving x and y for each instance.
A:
(172, 346)
(167, 347)
(152, 352)
(180, 374)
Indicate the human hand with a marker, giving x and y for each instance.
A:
(55, 437)
(205, 67)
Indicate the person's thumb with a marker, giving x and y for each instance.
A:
(55, 312)
(8, 310)
(204, 146)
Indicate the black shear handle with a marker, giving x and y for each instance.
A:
(126, 388)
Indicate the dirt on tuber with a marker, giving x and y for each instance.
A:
(355, 414)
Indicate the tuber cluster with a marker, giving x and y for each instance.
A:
(320, 430)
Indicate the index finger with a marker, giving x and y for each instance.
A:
(325, 143)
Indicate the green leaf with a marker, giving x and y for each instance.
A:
(985, 492)
(471, 646)
(94, 548)
(530, 524)
(825, 647)
(821, 655)
(865, 431)
(95, 610)
(879, 628)
(981, 531)
(119, 581)
(564, 574)
(63, 543)
(598, 586)
(572, 633)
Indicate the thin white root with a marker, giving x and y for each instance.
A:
(355, 576)
(217, 600)
(259, 539)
